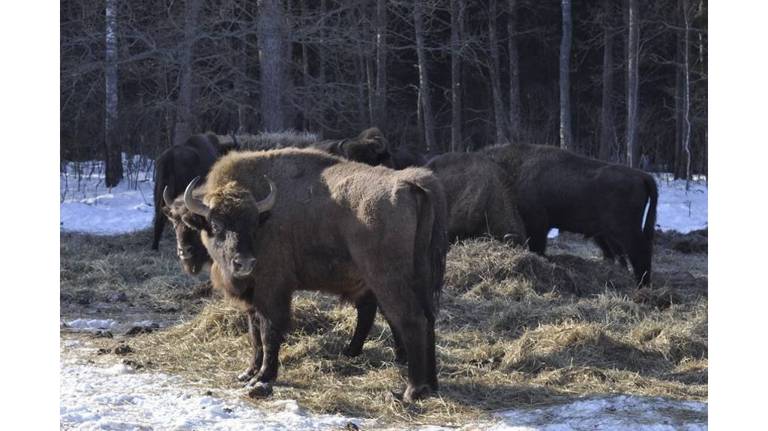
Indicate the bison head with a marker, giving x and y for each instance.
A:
(189, 246)
(231, 224)
(370, 147)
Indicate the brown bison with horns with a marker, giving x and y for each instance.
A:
(193, 257)
(284, 220)
(178, 165)
(614, 204)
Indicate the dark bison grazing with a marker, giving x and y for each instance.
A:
(614, 204)
(480, 201)
(178, 165)
(193, 257)
(279, 221)
(369, 147)
(372, 148)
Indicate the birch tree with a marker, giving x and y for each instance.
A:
(113, 160)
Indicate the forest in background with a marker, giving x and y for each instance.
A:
(623, 81)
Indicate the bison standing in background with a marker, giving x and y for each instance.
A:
(178, 165)
(321, 223)
(555, 188)
(480, 201)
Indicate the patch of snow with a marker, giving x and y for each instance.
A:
(91, 324)
(621, 412)
(116, 398)
(88, 206)
(679, 209)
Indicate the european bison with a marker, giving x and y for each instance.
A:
(193, 257)
(178, 165)
(480, 201)
(372, 148)
(369, 147)
(556, 188)
(284, 220)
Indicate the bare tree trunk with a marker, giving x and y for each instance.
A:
(633, 55)
(677, 162)
(426, 99)
(305, 77)
(363, 115)
(498, 103)
(372, 109)
(457, 18)
(184, 117)
(607, 132)
(686, 98)
(380, 113)
(271, 55)
(565, 82)
(113, 164)
(514, 75)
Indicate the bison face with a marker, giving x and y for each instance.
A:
(233, 221)
(189, 247)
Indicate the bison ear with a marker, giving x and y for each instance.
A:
(195, 221)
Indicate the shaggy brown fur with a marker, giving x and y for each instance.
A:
(178, 165)
(339, 227)
(194, 256)
(559, 189)
(479, 199)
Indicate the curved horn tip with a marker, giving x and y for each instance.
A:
(167, 198)
(192, 203)
(268, 203)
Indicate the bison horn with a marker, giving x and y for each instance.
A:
(167, 198)
(194, 204)
(268, 202)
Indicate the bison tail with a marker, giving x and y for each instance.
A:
(431, 244)
(649, 218)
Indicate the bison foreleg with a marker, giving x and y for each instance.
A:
(254, 333)
(272, 324)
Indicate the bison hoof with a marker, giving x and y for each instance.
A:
(416, 393)
(351, 351)
(260, 390)
(246, 375)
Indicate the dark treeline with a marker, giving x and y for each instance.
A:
(138, 76)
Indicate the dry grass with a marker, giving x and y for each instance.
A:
(514, 329)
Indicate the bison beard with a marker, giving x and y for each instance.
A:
(479, 198)
(334, 226)
(557, 188)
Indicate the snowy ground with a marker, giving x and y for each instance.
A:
(87, 205)
(116, 397)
